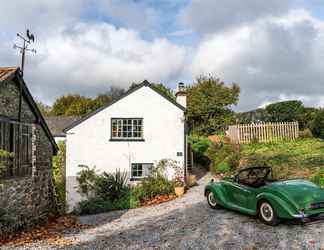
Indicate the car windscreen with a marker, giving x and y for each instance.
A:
(259, 173)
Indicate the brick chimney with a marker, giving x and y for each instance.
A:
(181, 94)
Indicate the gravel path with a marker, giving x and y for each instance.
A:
(189, 223)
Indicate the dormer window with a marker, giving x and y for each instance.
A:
(128, 129)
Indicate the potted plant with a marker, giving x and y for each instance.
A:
(179, 186)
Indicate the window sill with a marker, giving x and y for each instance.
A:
(136, 178)
(126, 140)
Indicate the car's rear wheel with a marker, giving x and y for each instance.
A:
(211, 200)
(267, 214)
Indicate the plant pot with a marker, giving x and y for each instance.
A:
(179, 191)
(191, 180)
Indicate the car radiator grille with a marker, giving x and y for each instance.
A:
(317, 205)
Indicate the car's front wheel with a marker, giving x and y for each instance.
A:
(211, 200)
(267, 214)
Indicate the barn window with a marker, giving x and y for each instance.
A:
(140, 170)
(127, 128)
(16, 138)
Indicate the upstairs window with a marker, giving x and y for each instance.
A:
(141, 170)
(126, 128)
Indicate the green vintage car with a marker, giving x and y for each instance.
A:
(252, 191)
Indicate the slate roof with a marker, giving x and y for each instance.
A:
(58, 123)
(14, 74)
(6, 72)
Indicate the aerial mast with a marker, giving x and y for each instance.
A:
(30, 38)
(26, 42)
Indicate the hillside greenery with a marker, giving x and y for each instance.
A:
(295, 159)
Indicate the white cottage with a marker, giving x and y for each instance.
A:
(133, 133)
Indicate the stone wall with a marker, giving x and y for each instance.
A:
(25, 201)
(9, 103)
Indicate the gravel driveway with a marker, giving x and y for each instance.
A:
(189, 223)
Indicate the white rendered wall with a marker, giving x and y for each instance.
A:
(59, 139)
(89, 142)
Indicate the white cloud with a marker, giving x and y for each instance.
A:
(271, 57)
(38, 15)
(209, 16)
(91, 57)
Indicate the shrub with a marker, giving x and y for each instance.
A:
(306, 133)
(153, 186)
(104, 192)
(318, 178)
(223, 167)
(86, 178)
(111, 186)
(200, 146)
(59, 176)
(223, 157)
(318, 124)
(94, 206)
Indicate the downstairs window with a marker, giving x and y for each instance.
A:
(141, 170)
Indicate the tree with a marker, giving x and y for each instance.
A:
(160, 87)
(115, 92)
(164, 90)
(73, 105)
(62, 104)
(286, 111)
(318, 124)
(209, 103)
(43, 108)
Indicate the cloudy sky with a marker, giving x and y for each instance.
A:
(273, 49)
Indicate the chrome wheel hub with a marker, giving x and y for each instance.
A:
(211, 199)
(266, 212)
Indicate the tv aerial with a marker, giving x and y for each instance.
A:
(27, 40)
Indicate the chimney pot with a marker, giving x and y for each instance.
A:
(181, 95)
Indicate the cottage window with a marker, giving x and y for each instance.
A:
(140, 170)
(127, 128)
(16, 138)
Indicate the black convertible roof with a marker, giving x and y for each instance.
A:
(251, 168)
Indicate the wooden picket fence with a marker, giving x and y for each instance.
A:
(263, 132)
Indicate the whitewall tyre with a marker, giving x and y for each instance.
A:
(267, 214)
(211, 200)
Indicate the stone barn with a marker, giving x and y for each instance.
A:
(27, 193)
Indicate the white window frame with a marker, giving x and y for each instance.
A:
(134, 129)
(146, 170)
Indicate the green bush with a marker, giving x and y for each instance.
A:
(224, 157)
(318, 125)
(97, 205)
(200, 146)
(223, 167)
(153, 186)
(111, 186)
(106, 192)
(59, 176)
(306, 133)
(86, 178)
(94, 206)
(318, 177)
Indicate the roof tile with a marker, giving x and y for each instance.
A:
(5, 72)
